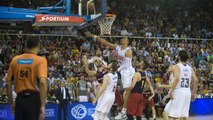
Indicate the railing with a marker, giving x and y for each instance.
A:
(132, 37)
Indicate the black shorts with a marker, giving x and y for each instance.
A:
(27, 106)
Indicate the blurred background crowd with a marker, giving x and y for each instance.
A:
(184, 22)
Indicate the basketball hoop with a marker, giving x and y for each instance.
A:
(106, 24)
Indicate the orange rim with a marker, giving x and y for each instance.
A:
(110, 15)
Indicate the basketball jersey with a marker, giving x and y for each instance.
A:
(139, 86)
(26, 69)
(185, 76)
(121, 56)
(147, 93)
(99, 76)
(112, 84)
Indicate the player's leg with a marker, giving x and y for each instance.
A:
(134, 105)
(165, 116)
(140, 106)
(130, 117)
(126, 96)
(96, 115)
(126, 78)
(122, 114)
(177, 104)
(110, 101)
(176, 118)
(185, 118)
(166, 111)
(118, 101)
(152, 106)
(138, 118)
(186, 106)
(104, 106)
(153, 113)
(106, 116)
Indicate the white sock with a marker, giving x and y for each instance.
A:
(123, 110)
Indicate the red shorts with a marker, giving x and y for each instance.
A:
(118, 98)
(147, 102)
(135, 104)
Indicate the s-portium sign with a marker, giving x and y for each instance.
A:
(56, 20)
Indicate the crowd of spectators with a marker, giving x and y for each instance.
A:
(64, 61)
(153, 18)
(138, 18)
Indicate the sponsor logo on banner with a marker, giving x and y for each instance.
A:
(3, 114)
(90, 111)
(49, 112)
(79, 111)
(48, 18)
(58, 18)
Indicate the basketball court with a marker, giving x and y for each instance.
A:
(199, 117)
(204, 117)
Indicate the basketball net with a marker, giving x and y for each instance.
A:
(106, 24)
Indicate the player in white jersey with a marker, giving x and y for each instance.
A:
(180, 94)
(169, 86)
(124, 55)
(106, 94)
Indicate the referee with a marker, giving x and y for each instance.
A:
(28, 71)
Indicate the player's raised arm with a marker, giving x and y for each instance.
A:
(101, 40)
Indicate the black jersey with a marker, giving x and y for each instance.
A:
(139, 86)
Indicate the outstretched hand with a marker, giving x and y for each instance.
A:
(12, 107)
(194, 96)
(94, 101)
(88, 34)
(42, 113)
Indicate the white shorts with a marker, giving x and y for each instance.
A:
(179, 106)
(167, 108)
(100, 116)
(105, 103)
(126, 77)
(83, 98)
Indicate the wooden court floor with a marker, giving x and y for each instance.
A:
(203, 117)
